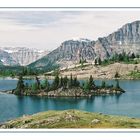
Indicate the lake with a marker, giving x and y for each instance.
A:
(128, 104)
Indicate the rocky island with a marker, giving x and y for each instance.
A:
(65, 87)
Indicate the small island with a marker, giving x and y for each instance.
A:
(65, 87)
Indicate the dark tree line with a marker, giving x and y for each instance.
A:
(13, 71)
(59, 82)
(122, 57)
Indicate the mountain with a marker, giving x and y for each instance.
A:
(1, 64)
(6, 59)
(20, 56)
(126, 39)
(70, 51)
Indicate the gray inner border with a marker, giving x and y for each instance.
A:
(70, 131)
(66, 132)
(70, 7)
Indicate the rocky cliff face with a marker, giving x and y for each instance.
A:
(20, 56)
(74, 50)
(70, 51)
(126, 39)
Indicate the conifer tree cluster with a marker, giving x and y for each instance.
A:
(122, 57)
(60, 82)
(89, 84)
(65, 82)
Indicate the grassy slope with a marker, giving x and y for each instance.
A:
(105, 72)
(72, 119)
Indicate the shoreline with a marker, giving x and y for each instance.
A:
(74, 92)
(41, 77)
(67, 118)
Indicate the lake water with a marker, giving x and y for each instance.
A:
(127, 104)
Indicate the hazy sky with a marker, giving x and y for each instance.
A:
(48, 29)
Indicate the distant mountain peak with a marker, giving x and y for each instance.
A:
(20, 55)
(80, 39)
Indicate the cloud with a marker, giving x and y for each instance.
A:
(11, 25)
(48, 29)
(36, 18)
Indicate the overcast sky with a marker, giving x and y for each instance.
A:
(48, 29)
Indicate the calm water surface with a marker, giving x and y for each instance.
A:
(127, 104)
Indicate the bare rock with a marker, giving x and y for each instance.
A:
(95, 121)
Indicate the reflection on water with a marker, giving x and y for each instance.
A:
(117, 98)
(12, 106)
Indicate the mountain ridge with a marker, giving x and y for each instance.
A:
(125, 39)
(21, 56)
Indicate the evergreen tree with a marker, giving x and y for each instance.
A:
(103, 84)
(20, 86)
(86, 86)
(95, 61)
(56, 82)
(91, 82)
(99, 61)
(12, 74)
(75, 82)
(124, 55)
(80, 61)
(61, 82)
(120, 58)
(45, 84)
(65, 82)
(37, 82)
(126, 58)
(132, 56)
(116, 75)
(117, 84)
(106, 61)
(116, 57)
(34, 87)
(71, 81)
